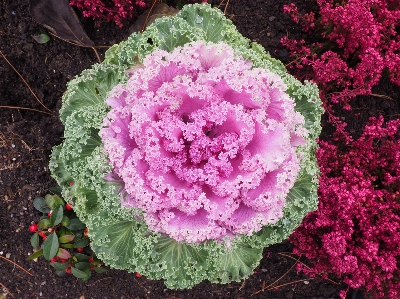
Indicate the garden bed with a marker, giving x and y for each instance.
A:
(27, 136)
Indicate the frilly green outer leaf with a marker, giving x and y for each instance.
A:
(119, 236)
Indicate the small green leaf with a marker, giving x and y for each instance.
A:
(76, 224)
(56, 190)
(87, 271)
(78, 234)
(64, 231)
(44, 223)
(66, 238)
(81, 242)
(99, 269)
(50, 246)
(61, 273)
(97, 263)
(40, 204)
(56, 215)
(53, 201)
(41, 38)
(82, 266)
(82, 257)
(35, 255)
(64, 254)
(78, 273)
(67, 245)
(59, 266)
(65, 221)
(35, 240)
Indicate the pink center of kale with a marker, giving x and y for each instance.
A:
(204, 143)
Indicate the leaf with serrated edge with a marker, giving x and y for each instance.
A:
(81, 242)
(82, 265)
(59, 266)
(66, 238)
(50, 246)
(78, 273)
(35, 255)
(64, 254)
(35, 240)
(68, 245)
(53, 201)
(56, 215)
(99, 269)
(65, 220)
(82, 257)
(44, 223)
(76, 224)
(40, 204)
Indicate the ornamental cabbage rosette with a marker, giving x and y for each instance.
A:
(203, 142)
(190, 149)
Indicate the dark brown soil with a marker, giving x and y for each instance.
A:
(26, 139)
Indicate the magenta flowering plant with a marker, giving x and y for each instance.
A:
(118, 11)
(190, 149)
(357, 42)
(109, 11)
(204, 143)
(355, 234)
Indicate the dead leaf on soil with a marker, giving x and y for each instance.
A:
(59, 17)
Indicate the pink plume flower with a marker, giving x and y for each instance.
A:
(204, 143)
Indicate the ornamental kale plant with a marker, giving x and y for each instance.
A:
(190, 149)
(357, 40)
(203, 143)
(355, 233)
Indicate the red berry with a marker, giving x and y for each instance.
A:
(33, 228)
(138, 275)
(49, 213)
(62, 260)
(68, 207)
(80, 249)
(42, 234)
(68, 270)
(71, 183)
(92, 268)
(53, 260)
(91, 260)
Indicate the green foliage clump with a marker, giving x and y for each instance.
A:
(61, 238)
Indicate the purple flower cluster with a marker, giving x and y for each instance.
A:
(109, 11)
(361, 40)
(355, 233)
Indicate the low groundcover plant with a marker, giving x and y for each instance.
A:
(354, 234)
(356, 41)
(64, 238)
(107, 11)
(190, 149)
